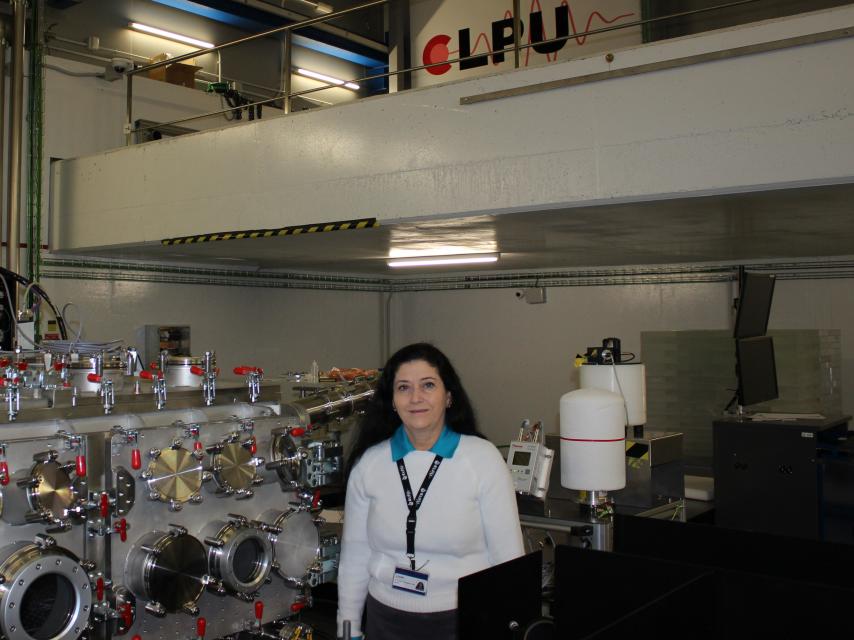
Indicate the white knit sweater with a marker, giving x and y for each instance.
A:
(467, 522)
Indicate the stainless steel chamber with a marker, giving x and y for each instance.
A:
(45, 592)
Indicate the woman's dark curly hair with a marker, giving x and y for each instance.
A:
(380, 420)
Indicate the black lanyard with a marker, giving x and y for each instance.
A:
(414, 502)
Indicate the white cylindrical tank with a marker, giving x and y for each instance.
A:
(632, 382)
(592, 440)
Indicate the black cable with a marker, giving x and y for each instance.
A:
(24, 282)
(731, 402)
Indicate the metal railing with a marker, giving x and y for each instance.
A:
(285, 96)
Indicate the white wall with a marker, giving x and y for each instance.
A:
(277, 329)
(516, 359)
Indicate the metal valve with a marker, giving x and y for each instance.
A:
(208, 376)
(4, 467)
(121, 527)
(12, 394)
(254, 375)
(158, 385)
(259, 613)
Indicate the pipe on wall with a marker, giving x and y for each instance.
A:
(16, 121)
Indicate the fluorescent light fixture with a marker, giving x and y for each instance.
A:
(431, 261)
(324, 78)
(169, 35)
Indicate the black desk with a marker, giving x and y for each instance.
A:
(774, 476)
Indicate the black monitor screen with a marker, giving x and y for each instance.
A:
(491, 599)
(754, 305)
(757, 370)
(521, 458)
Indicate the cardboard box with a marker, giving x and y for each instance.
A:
(182, 73)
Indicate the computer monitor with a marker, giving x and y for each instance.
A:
(491, 599)
(754, 305)
(757, 370)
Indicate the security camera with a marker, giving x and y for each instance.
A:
(121, 65)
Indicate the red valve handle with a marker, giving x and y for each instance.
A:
(299, 431)
(5, 362)
(4, 473)
(93, 377)
(201, 625)
(135, 459)
(242, 371)
(127, 615)
(259, 610)
(197, 446)
(146, 375)
(105, 505)
(122, 529)
(315, 499)
(154, 366)
(296, 607)
(59, 366)
(22, 366)
(80, 463)
(99, 588)
(197, 371)
(253, 446)
(137, 637)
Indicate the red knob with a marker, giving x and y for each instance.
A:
(135, 459)
(22, 366)
(81, 465)
(315, 499)
(253, 446)
(297, 606)
(4, 362)
(99, 588)
(122, 529)
(201, 623)
(154, 366)
(242, 371)
(146, 375)
(259, 610)
(93, 377)
(105, 505)
(137, 637)
(4, 473)
(127, 615)
(197, 445)
(197, 371)
(299, 431)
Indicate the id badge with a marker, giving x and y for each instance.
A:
(411, 581)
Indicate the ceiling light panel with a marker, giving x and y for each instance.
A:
(170, 35)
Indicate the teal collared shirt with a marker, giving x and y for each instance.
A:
(445, 446)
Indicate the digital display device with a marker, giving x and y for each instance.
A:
(754, 305)
(521, 458)
(757, 370)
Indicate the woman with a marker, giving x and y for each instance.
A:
(429, 500)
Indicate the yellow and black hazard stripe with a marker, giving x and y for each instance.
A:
(363, 223)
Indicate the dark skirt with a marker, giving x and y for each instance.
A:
(388, 623)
